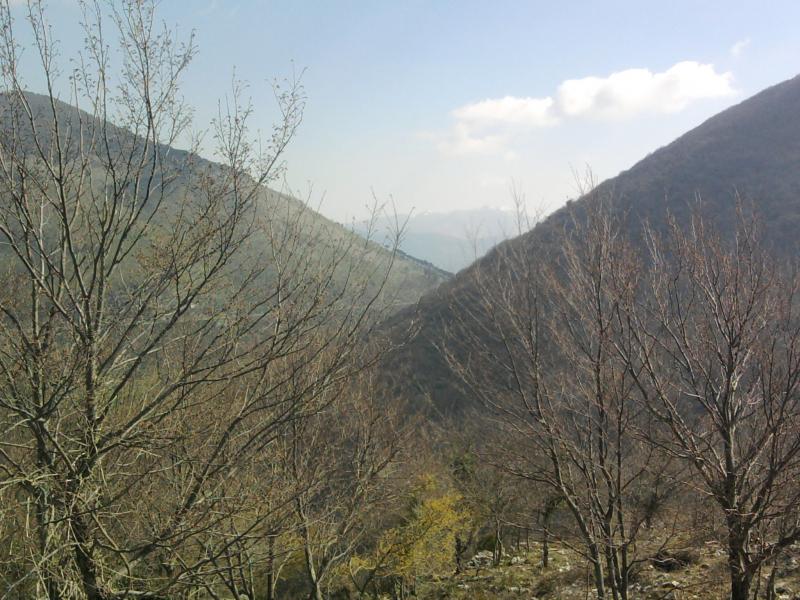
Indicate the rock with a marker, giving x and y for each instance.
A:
(480, 560)
(667, 561)
(788, 566)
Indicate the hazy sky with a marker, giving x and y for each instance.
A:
(440, 105)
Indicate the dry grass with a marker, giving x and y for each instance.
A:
(698, 574)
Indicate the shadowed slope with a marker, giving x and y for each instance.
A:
(750, 151)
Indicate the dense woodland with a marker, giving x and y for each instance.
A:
(205, 387)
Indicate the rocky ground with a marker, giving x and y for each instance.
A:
(698, 574)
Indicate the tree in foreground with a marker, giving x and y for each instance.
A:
(340, 461)
(536, 346)
(715, 353)
(160, 320)
(622, 372)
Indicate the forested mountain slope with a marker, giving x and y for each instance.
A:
(749, 152)
(288, 220)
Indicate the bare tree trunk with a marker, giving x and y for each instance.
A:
(271, 579)
(740, 586)
(740, 576)
(316, 593)
(546, 549)
(84, 559)
(43, 517)
(597, 567)
(497, 552)
(770, 592)
(612, 571)
(311, 571)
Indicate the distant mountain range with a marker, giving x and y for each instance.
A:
(749, 152)
(449, 240)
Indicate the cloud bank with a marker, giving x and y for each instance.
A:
(488, 126)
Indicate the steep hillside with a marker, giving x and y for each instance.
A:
(286, 217)
(751, 150)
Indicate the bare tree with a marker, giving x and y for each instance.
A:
(537, 345)
(157, 313)
(340, 462)
(490, 496)
(715, 354)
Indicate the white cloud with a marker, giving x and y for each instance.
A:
(489, 125)
(633, 92)
(739, 47)
(535, 112)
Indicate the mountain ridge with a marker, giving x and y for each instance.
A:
(410, 277)
(747, 153)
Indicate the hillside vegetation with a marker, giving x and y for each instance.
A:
(282, 215)
(210, 392)
(747, 155)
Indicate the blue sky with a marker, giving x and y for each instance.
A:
(440, 105)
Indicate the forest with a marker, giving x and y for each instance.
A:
(207, 389)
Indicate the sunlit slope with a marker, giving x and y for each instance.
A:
(283, 225)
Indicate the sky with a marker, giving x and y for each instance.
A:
(440, 106)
